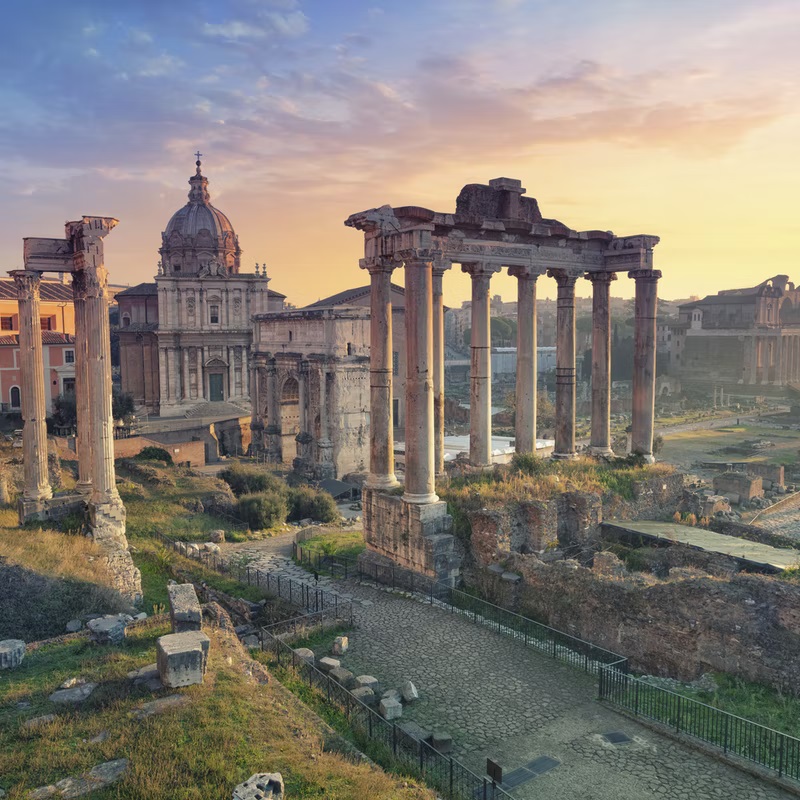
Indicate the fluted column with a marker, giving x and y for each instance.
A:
(527, 362)
(34, 429)
(439, 268)
(302, 384)
(480, 404)
(83, 442)
(420, 468)
(600, 443)
(187, 392)
(381, 444)
(565, 364)
(201, 390)
(753, 359)
(644, 362)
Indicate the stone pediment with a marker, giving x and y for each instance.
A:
(216, 362)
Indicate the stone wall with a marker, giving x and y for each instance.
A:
(192, 451)
(748, 626)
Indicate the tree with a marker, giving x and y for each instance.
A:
(121, 405)
(65, 411)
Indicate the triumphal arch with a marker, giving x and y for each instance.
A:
(494, 227)
(80, 253)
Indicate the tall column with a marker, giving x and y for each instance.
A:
(420, 468)
(600, 443)
(163, 390)
(302, 384)
(527, 361)
(439, 269)
(565, 364)
(644, 362)
(480, 404)
(201, 393)
(231, 381)
(83, 442)
(381, 444)
(324, 445)
(187, 393)
(753, 359)
(245, 372)
(34, 429)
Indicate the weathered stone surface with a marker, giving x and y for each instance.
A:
(369, 681)
(211, 547)
(181, 658)
(409, 692)
(160, 705)
(305, 654)
(343, 676)
(147, 676)
(262, 786)
(415, 731)
(109, 629)
(390, 708)
(35, 722)
(442, 741)
(340, 645)
(96, 778)
(746, 486)
(365, 695)
(43, 793)
(75, 694)
(12, 651)
(184, 608)
(74, 625)
(217, 536)
(392, 694)
(327, 663)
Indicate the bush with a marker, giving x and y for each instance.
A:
(263, 510)
(305, 502)
(244, 479)
(153, 453)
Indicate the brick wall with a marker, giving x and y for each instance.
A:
(181, 452)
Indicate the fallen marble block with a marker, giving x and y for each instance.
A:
(184, 608)
(182, 658)
(12, 651)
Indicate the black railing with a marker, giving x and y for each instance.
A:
(386, 742)
(296, 593)
(734, 735)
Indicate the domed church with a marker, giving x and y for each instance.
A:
(185, 340)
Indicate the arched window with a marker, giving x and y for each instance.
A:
(769, 313)
(349, 348)
(15, 397)
(290, 336)
(126, 320)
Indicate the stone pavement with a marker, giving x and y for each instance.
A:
(784, 523)
(507, 702)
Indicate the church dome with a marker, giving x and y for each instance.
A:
(199, 238)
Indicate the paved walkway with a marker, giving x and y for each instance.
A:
(507, 702)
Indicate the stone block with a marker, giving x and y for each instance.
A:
(409, 692)
(414, 731)
(12, 651)
(390, 708)
(305, 654)
(182, 658)
(367, 681)
(327, 663)
(442, 742)
(211, 547)
(392, 694)
(35, 722)
(74, 625)
(217, 536)
(340, 645)
(73, 694)
(109, 629)
(184, 608)
(365, 695)
(263, 786)
(343, 676)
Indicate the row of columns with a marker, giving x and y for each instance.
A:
(176, 370)
(774, 359)
(424, 454)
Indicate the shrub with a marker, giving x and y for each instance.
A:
(690, 519)
(263, 510)
(305, 502)
(153, 453)
(244, 479)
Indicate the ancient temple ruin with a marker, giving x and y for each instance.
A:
(494, 227)
(81, 255)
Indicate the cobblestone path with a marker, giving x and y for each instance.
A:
(785, 523)
(501, 700)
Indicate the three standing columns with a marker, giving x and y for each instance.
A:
(34, 431)
(600, 442)
(527, 365)
(381, 435)
(644, 362)
(420, 468)
(480, 404)
(565, 364)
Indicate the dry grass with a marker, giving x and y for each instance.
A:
(231, 729)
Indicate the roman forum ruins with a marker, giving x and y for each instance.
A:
(81, 254)
(493, 227)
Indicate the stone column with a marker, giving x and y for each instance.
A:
(381, 445)
(565, 364)
(231, 379)
(272, 432)
(325, 445)
(480, 404)
(600, 443)
(439, 268)
(187, 392)
(245, 372)
(201, 391)
(83, 442)
(420, 468)
(163, 391)
(527, 361)
(34, 429)
(644, 362)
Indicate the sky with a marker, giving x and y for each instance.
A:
(678, 118)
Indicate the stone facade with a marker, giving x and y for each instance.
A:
(185, 340)
(744, 487)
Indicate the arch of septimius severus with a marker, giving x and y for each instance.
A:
(81, 255)
(494, 227)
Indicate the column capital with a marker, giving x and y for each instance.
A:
(645, 275)
(600, 277)
(378, 265)
(524, 273)
(27, 282)
(418, 255)
(563, 278)
(480, 269)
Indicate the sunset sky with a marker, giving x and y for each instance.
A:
(673, 117)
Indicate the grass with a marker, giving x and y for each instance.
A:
(345, 544)
(231, 728)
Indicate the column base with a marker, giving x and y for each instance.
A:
(382, 482)
(564, 456)
(420, 499)
(84, 488)
(601, 452)
(648, 458)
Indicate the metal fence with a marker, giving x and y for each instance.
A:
(552, 642)
(735, 735)
(386, 742)
(310, 598)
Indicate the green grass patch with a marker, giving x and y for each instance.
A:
(347, 544)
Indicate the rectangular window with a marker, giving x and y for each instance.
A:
(395, 412)
(395, 362)
(46, 323)
(213, 313)
(7, 323)
(69, 385)
(69, 356)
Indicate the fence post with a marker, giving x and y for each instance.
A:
(485, 796)
(290, 590)
(636, 697)
(394, 738)
(678, 716)
(247, 572)
(451, 776)
(780, 756)
(725, 741)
